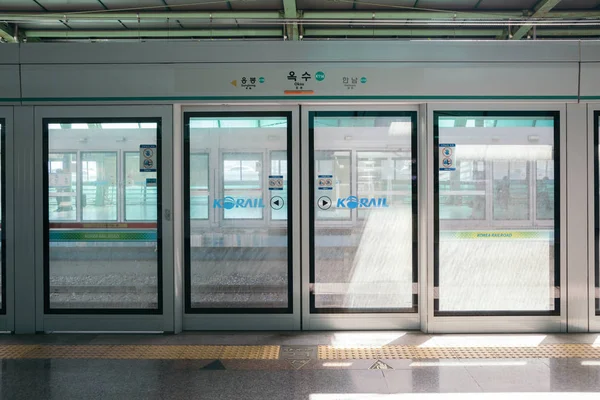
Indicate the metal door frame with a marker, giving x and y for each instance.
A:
(592, 125)
(248, 321)
(108, 322)
(580, 273)
(354, 321)
(7, 320)
(496, 324)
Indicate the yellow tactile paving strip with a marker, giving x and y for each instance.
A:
(137, 352)
(415, 352)
(222, 352)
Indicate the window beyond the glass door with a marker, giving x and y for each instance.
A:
(102, 253)
(363, 222)
(496, 192)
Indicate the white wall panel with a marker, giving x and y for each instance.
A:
(239, 52)
(401, 80)
(9, 54)
(590, 80)
(590, 51)
(9, 82)
(9, 73)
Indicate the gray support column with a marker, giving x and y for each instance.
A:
(576, 187)
(25, 164)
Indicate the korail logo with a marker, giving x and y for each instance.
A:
(229, 203)
(362, 202)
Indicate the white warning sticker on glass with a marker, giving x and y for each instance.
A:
(148, 158)
(447, 157)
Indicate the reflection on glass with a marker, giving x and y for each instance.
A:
(242, 181)
(99, 186)
(239, 250)
(62, 186)
(141, 192)
(364, 198)
(511, 190)
(496, 246)
(462, 192)
(96, 260)
(199, 194)
(544, 186)
(337, 165)
(384, 172)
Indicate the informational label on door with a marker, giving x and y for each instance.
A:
(148, 158)
(150, 182)
(275, 182)
(447, 157)
(325, 182)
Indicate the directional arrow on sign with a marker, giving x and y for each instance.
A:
(277, 203)
(234, 82)
(324, 203)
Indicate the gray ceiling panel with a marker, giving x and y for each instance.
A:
(387, 5)
(577, 5)
(447, 5)
(257, 5)
(19, 5)
(142, 5)
(507, 4)
(71, 5)
(206, 5)
(324, 5)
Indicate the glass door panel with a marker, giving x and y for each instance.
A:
(98, 261)
(238, 213)
(363, 223)
(496, 246)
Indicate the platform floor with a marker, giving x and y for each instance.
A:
(295, 365)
